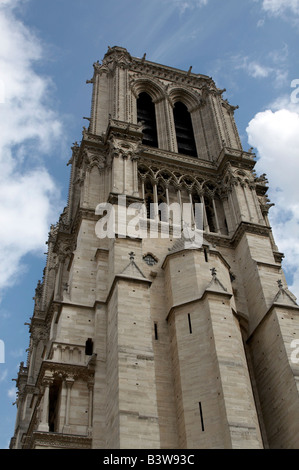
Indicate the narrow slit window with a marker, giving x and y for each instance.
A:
(206, 254)
(156, 330)
(201, 417)
(89, 347)
(189, 323)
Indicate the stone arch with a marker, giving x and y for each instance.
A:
(184, 103)
(152, 87)
(190, 99)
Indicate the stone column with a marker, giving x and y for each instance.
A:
(69, 382)
(44, 422)
(216, 216)
(134, 160)
(124, 158)
(205, 220)
(90, 385)
(32, 360)
(156, 212)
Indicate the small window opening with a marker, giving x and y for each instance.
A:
(54, 405)
(201, 417)
(206, 255)
(190, 324)
(89, 347)
(156, 330)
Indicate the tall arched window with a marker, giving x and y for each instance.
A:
(149, 199)
(162, 203)
(54, 405)
(184, 130)
(211, 220)
(146, 113)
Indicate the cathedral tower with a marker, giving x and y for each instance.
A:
(163, 319)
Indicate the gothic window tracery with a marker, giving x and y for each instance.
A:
(162, 203)
(149, 199)
(162, 187)
(210, 213)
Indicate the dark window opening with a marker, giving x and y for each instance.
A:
(206, 255)
(146, 113)
(156, 330)
(149, 200)
(189, 322)
(89, 347)
(210, 214)
(54, 404)
(201, 417)
(162, 204)
(225, 227)
(184, 130)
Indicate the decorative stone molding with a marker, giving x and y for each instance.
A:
(91, 159)
(64, 370)
(124, 149)
(57, 441)
(154, 87)
(192, 99)
(169, 175)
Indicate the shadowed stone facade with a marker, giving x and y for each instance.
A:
(148, 341)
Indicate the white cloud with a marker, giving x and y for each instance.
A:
(275, 134)
(29, 128)
(12, 393)
(184, 5)
(278, 7)
(288, 10)
(3, 375)
(258, 71)
(276, 71)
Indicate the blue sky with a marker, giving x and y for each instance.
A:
(47, 48)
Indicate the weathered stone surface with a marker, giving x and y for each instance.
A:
(143, 339)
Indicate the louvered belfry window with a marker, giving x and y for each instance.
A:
(146, 114)
(184, 130)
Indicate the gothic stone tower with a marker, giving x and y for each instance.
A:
(146, 341)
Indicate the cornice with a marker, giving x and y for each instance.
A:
(57, 440)
(294, 308)
(249, 227)
(124, 277)
(119, 57)
(205, 294)
(178, 76)
(154, 155)
(63, 369)
(200, 249)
